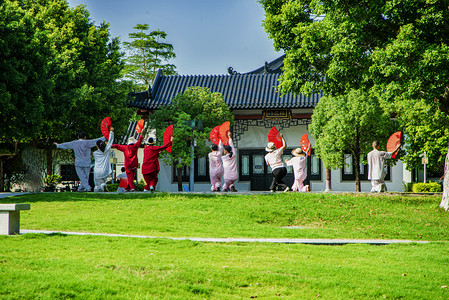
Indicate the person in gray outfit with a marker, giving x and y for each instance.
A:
(82, 149)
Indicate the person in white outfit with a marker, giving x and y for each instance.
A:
(216, 166)
(82, 149)
(298, 161)
(274, 161)
(376, 167)
(230, 166)
(102, 167)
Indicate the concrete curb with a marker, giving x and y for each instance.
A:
(329, 242)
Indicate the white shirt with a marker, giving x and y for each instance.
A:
(274, 159)
(82, 149)
(102, 167)
(376, 163)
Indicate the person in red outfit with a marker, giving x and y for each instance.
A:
(131, 162)
(150, 165)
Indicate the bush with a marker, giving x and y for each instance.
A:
(112, 187)
(431, 187)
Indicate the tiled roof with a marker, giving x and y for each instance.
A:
(240, 91)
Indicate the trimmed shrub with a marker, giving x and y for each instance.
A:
(430, 187)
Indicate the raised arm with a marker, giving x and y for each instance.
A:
(68, 145)
(284, 143)
(110, 140)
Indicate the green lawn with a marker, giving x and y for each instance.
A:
(257, 216)
(98, 267)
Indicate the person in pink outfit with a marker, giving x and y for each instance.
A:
(216, 166)
(131, 162)
(230, 166)
(298, 161)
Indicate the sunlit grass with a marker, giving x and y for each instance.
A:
(349, 216)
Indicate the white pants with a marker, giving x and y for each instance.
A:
(378, 186)
(83, 175)
(100, 184)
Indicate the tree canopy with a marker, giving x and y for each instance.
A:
(147, 54)
(196, 103)
(59, 74)
(396, 50)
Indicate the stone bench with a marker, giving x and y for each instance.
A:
(10, 218)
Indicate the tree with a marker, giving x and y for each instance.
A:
(65, 71)
(395, 49)
(22, 82)
(196, 103)
(348, 124)
(147, 55)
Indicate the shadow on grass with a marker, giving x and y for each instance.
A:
(75, 196)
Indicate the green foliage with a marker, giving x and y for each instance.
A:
(398, 50)
(59, 74)
(348, 124)
(147, 54)
(196, 103)
(427, 187)
(53, 179)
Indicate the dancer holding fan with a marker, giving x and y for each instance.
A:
(150, 165)
(376, 163)
(215, 159)
(298, 161)
(230, 166)
(274, 160)
(216, 166)
(131, 160)
(82, 149)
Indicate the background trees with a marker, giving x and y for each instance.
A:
(196, 103)
(147, 54)
(59, 75)
(397, 51)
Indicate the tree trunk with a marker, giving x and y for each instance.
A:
(179, 179)
(356, 161)
(356, 166)
(328, 180)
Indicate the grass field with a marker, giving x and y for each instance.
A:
(96, 267)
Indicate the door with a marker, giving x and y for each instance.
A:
(254, 169)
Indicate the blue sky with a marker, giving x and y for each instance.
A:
(208, 35)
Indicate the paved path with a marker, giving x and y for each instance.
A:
(246, 240)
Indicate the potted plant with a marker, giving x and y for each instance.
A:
(51, 181)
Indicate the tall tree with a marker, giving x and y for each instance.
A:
(348, 124)
(22, 82)
(147, 54)
(65, 71)
(196, 103)
(397, 50)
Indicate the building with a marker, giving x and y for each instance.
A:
(257, 106)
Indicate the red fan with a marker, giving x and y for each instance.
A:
(275, 137)
(140, 125)
(393, 142)
(167, 136)
(105, 126)
(304, 142)
(223, 131)
(215, 135)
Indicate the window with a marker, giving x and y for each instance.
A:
(68, 173)
(201, 171)
(348, 173)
